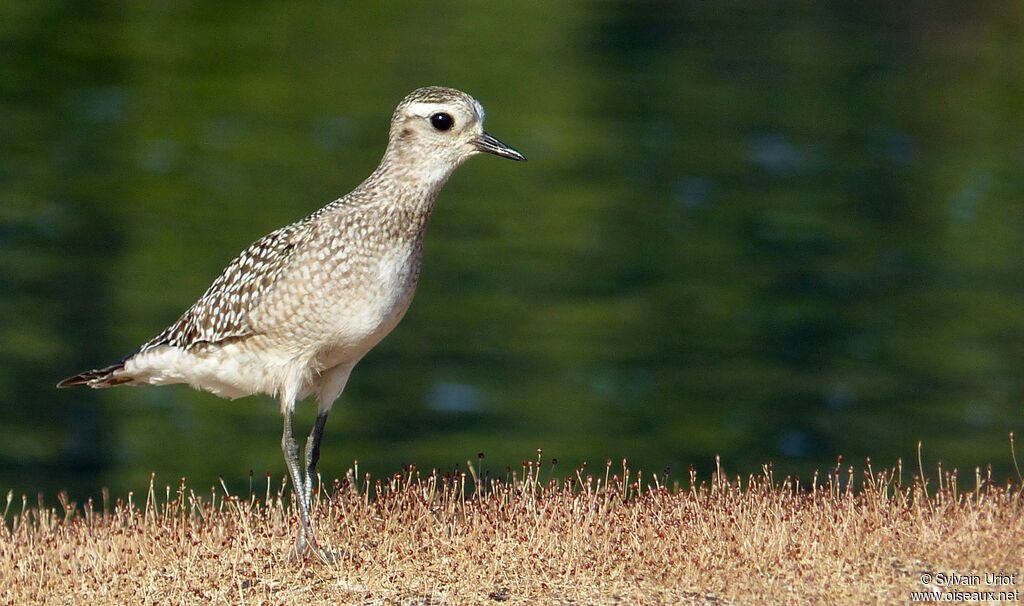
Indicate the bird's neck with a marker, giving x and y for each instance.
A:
(399, 194)
(407, 181)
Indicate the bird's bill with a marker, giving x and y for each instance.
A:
(487, 143)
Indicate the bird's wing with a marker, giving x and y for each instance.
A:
(222, 313)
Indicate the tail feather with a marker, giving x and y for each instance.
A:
(101, 377)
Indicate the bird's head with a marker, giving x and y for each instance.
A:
(439, 128)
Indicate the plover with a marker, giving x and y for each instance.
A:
(293, 313)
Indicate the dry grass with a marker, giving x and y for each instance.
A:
(845, 537)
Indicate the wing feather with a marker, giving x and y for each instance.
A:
(222, 313)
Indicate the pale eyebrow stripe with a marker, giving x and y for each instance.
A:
(424, 109)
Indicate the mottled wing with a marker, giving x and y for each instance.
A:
(222, 313)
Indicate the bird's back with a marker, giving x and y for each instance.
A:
(222, 313)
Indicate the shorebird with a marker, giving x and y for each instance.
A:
(293, 313)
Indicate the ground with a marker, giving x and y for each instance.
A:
(848, 536)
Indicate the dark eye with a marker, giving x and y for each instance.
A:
(442, 121)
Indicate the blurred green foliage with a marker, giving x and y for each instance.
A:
(778, 232)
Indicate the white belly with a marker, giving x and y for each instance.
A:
(231, 370)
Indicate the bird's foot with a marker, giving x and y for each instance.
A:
(308, 549)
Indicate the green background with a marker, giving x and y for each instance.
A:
(776, 232)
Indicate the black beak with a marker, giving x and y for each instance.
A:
(487, 143)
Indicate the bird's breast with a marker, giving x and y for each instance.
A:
(368, 304)
(397, 274)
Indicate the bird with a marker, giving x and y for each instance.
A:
(294, 312)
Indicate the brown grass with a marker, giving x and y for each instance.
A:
(845, 537)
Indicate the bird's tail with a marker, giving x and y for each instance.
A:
(101, 377)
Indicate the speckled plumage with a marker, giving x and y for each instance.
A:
(295, 311)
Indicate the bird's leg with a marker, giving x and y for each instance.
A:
(291, 459)
(313, 455)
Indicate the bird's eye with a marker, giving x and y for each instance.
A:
(442, 121)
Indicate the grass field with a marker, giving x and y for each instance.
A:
(607, 536)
